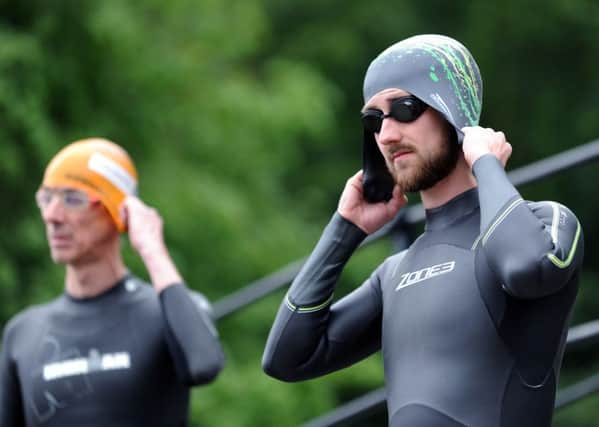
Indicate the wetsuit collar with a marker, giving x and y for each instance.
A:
(110, 294)
(455, 209)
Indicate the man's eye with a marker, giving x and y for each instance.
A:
(74, 199)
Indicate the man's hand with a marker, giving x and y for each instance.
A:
(479, 141)
(144, 226)
(146, 236)
(368, 216)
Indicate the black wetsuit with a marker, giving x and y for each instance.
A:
(125, 358)
(472, 318)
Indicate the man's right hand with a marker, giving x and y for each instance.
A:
(368, 216)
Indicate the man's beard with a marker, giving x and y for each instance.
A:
(430, 170)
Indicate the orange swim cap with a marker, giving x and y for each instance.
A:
(98, 167)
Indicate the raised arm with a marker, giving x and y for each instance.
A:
(534, 248)
(310, 337)
(190, 333)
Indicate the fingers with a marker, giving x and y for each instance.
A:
(506, 152)
(398, 195)
(356, 179)
(133, 205)
(144, 227)
(351, 195)
(479, 141)
(131, 208)
(133, 202)
(397, 201)
(139, 215)
(357, 175)
(488, 135)
(129, 205)
(123, 212)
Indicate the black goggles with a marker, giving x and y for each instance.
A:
(405, 109)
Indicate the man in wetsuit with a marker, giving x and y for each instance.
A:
(472, 317)
(112, 350)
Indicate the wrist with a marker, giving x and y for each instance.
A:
(348, 218)
(165, 279)
(151, 249)
(160, 287)
(345, 214)
(472, 159)
(161, 268)
(486, 161)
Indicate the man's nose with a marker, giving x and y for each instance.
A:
(54, 211)
(391, 131)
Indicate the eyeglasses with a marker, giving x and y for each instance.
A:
(405, 109)
(70, 199)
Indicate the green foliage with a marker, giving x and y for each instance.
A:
(242, 119)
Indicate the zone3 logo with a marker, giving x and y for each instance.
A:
(414, 277)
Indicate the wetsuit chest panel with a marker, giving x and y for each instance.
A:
(103, 366)
(436, 332)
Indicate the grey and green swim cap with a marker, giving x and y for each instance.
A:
(436, 69)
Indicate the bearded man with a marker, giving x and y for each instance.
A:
(472, 317)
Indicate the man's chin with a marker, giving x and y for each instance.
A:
(416, 185)
(421, 178)
(406, 180)
(60, 256)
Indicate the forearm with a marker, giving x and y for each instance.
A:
(303, 345)
(315, 283)
(160, 266)
(191, 337)
(495, 191)
(309, 338)
(292, 341)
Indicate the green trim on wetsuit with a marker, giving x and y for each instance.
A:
(566, 263)
(293, 307)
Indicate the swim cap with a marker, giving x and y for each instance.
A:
(439, 71)
(100, 168)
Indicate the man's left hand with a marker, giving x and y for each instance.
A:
(144, 226)
(146, 237)
(479, 141)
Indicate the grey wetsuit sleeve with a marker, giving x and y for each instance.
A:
(191, 336)
(11, 406)
(310, 337)
(533, 248)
